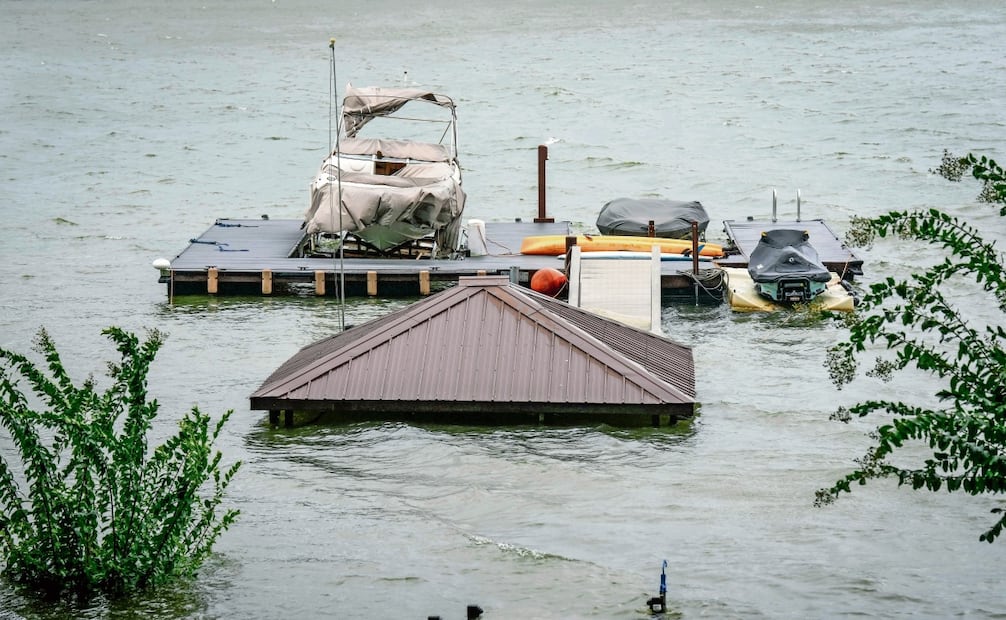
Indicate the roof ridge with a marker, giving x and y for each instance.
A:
(618, 356)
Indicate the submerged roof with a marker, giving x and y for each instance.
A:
(487, 345)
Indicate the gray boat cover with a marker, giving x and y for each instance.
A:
(786, 254)
(671, 218)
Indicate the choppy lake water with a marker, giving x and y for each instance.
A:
(129, 127)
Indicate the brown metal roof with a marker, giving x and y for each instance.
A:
(487, 345)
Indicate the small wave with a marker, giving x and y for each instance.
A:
(517, 550)
(607, 162)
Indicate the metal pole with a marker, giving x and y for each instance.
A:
(695, 247)
(334, 102)
(695, 260)
(773, 205)
(542, 212)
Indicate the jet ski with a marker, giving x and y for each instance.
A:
(785, 267)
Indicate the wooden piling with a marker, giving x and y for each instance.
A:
(424, 282)
(211, 280)
(319, 283)
(267, 282)
(695, 248)
(372, 283)
(543, 217)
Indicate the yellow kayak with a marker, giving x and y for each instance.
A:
(553, 245)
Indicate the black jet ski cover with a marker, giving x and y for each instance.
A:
(786, 255)
(672, 219)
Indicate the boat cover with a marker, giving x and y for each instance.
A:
(387, 211)
(786, 254)
(671, 218)
(420, 196)
(360, 105)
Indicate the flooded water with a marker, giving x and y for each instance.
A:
(129, 127)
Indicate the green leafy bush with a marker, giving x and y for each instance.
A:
(90, 507)
(914, 319)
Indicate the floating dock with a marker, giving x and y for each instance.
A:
(834, 254)
(265, 257)
(262, 257)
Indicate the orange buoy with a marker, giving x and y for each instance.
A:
(548, 281)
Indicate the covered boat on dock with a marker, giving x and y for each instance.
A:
(672, 219)
(391, 192)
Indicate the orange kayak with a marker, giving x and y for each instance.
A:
(553, 245)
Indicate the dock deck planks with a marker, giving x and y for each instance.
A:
(243, 251)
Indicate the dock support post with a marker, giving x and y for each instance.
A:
(319, 283)
(695, 259)
(288, 418)
(267, 281)
(372, 283)
(424, 282)
(211, 280)
(274, 417)
(570, 244)
(695, 247)
(542, 213)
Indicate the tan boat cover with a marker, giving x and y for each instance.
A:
(360, 105)
(422, 198)
(414, 205)
(395, 149)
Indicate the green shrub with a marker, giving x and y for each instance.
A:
(965, 357)
(91, 507)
